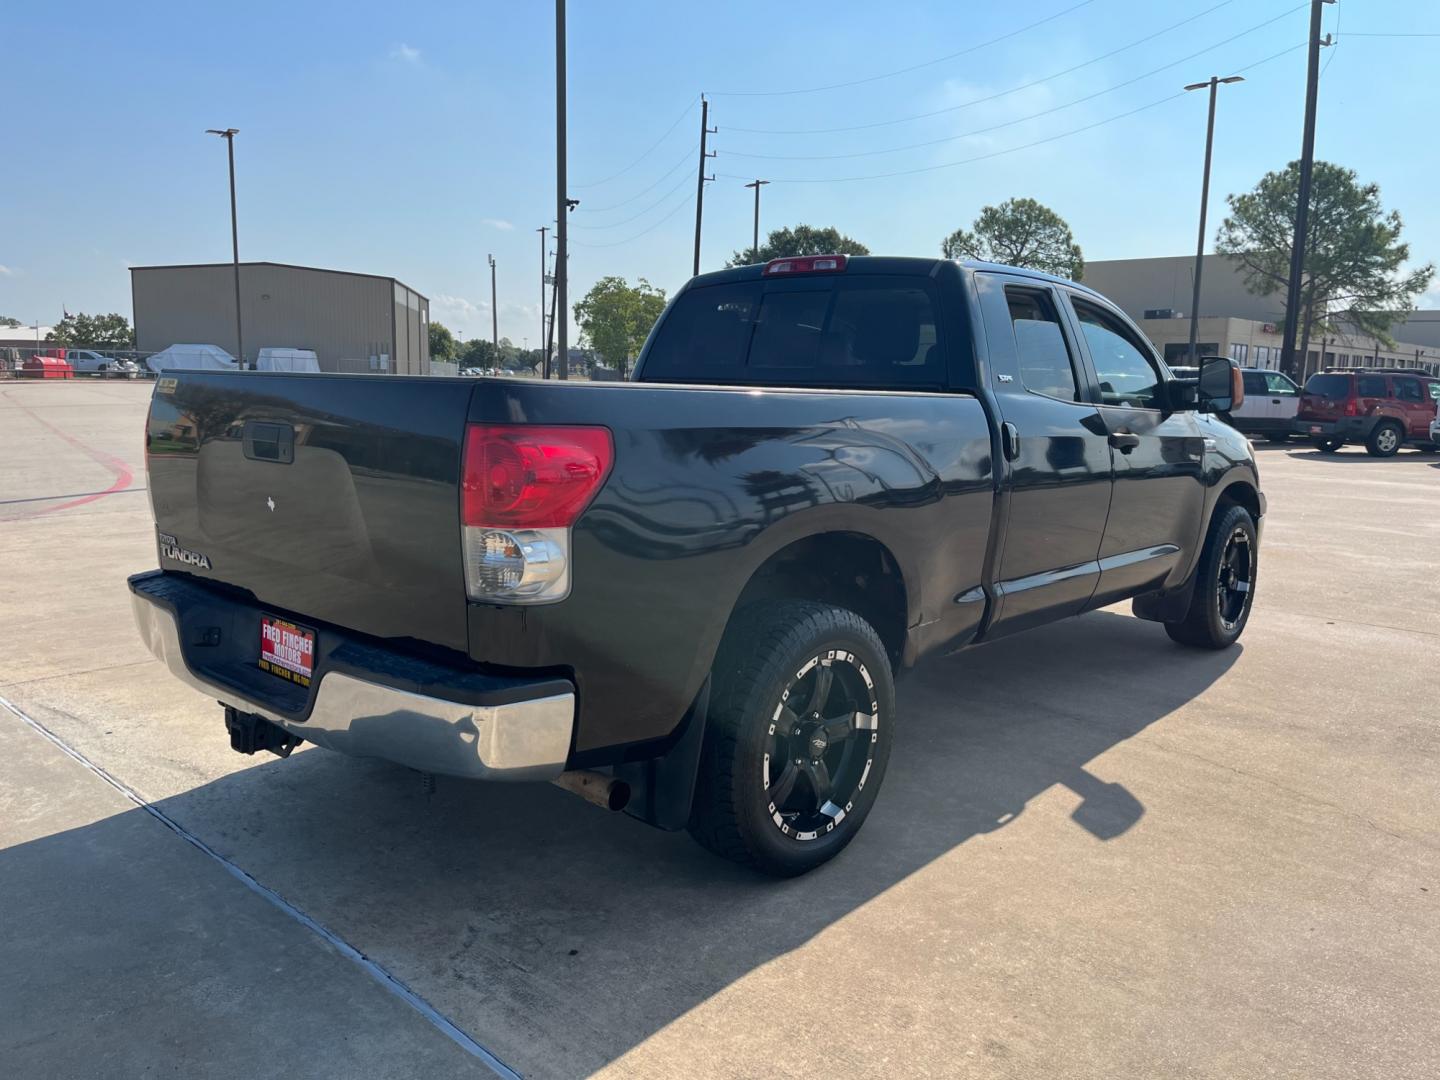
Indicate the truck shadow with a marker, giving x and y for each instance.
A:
(562, 937)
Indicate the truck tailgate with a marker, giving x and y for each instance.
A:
(331, 497)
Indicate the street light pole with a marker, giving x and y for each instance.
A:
(1214, 84)
(494, 313)
(755, 241)
(545, 360)
(229, 136)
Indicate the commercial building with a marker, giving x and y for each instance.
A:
(1235, 322)
(353, 322)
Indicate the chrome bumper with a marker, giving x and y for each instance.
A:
(523, 740)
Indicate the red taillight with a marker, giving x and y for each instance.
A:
(1352, 407)
(527, 477)
(806, 264)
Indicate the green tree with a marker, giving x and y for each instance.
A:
(81, 331)
(801, 240)
(615, 317)
(1353, 251)
(10, 322)
(443, 345)
(1019, 232)
(476, 353)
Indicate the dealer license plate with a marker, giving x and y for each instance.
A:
(1315, 430)
(287, 651)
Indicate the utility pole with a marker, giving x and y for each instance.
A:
(229, 136)
(1302, 204)
(562, 232)
(544, 360)
(494, 313)
(1214, 85)
(705, 129)
(755, 241)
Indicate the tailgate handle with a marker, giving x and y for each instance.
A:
(269, 442)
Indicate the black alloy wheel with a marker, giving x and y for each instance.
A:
(821, 740)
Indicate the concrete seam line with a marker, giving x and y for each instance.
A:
(391, 982)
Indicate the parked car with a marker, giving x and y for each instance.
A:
(88, 361)
(689, 595)
(1385, 410)
(1271, 400)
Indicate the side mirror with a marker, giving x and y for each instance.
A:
(1221, 389)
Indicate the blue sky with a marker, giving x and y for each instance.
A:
(413, 139)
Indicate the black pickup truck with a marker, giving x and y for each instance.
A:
(689, 594)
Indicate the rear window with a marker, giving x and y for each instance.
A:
(854, 332)
(1330, 386)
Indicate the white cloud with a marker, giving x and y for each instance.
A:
(1430, 298)
(497, 223)
(406, 54)
(456, 307)
(6, 271)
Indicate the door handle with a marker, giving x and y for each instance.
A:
(1009, 441)
(1124, 441)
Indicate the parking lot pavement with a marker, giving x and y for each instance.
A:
(1096, 853)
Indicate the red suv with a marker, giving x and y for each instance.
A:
(1383, 409)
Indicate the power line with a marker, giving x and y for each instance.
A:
(1022, 119)
(647, 153)
(1007, 150)
(912, 67)
(643, 191)
(642, 213)
(989, 97)
(1420, 35)
(617, 243)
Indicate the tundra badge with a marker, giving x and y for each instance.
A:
(170, 549)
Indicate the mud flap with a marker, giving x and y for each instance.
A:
(663, 788)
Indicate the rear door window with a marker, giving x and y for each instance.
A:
(862, 331)
(1408, 390)
(1370, 386)
(1045, 364)
(1277, 385)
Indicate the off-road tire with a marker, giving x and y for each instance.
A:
(759, 660)
(1205, 624)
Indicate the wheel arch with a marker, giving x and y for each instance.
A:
(845, 567)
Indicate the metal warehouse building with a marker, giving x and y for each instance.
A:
(353, 322)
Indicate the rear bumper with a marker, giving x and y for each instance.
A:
(364, 700)
(1347, 427)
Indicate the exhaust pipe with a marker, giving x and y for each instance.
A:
(604, 791)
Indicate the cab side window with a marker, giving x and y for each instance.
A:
(1128, 376)
(1046, 366)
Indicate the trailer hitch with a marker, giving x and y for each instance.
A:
(250, 733)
